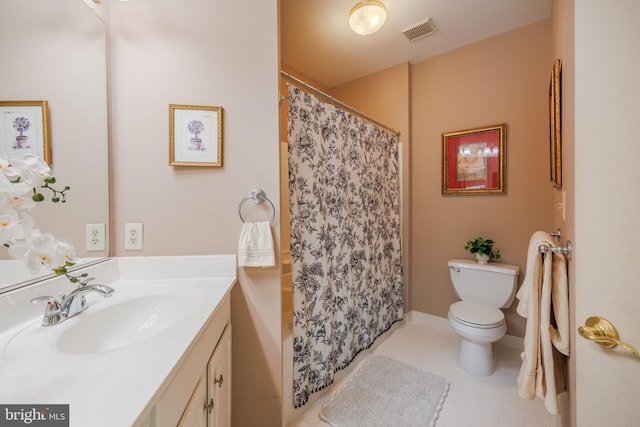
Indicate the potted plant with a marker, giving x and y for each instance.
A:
(483, 249)
(196, 127)
(21, 124)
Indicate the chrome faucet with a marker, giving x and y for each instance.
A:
(60, 309)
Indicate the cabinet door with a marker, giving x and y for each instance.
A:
(219, 387)
(195, 413)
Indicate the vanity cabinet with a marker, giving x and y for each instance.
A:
(200, 392)
(195, 414)
(219, 384)
(210, 403)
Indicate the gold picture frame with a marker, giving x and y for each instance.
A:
(195, 135)
(555, 125)
(24, 128)
(473, 161)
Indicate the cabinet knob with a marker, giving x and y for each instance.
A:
(219, 380)
(209, 406)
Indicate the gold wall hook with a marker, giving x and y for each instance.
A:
(602, 332)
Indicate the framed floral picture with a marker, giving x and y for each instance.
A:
(195, 135)
(473, 161)
(24, 128)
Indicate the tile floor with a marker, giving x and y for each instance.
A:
(433, 346)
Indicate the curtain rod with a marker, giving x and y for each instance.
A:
(333, 100)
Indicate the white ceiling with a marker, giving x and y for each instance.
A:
(316, 39)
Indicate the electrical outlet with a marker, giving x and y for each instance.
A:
(133, 236)
(96, 237)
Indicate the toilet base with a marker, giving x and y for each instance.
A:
(477, 359)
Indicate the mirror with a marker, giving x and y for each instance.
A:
(56, 51)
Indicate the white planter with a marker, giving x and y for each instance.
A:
(482, 259)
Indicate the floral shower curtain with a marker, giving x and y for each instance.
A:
(345, 238)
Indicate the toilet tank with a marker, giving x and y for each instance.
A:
(491, 283)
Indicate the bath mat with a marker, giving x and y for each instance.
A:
(385, 392)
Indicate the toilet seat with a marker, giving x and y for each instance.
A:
(476, 314)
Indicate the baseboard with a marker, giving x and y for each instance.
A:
(508, 340)
(513, 341)
(428, 319)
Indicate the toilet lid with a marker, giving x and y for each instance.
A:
(477, 314)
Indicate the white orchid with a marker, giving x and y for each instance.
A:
(67, 251)
(21, 179)
(15, 194)
(37, 250)
(29, 168)
(10, 226)
(4, 163)
(28, 172)
(23, 231)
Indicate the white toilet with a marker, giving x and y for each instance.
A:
(483, 289)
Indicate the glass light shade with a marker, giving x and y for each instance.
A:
(367, 17)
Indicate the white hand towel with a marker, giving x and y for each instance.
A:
(255, 246)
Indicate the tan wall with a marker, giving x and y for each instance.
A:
(189, 52)
(504, 79)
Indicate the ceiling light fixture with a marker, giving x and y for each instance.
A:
(367, 17)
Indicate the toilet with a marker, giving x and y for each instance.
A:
(483, 289)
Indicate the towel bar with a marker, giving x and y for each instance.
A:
(559, 250)
(257, 196)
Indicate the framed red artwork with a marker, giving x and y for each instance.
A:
(473, 161)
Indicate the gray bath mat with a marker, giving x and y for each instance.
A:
(385, 392)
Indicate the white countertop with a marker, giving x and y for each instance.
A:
(113, 387)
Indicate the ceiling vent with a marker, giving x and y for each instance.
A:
(419, 30)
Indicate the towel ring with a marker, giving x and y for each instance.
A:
(257, 196)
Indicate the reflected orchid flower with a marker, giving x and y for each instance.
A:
(37, 250)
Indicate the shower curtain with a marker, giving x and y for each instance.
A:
(345, 238)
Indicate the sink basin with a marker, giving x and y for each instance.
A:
(120, 324)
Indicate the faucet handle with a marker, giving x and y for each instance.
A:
(52, 303)
(52, 311)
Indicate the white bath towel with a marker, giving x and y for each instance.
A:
(255, 246)
(544, 289)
